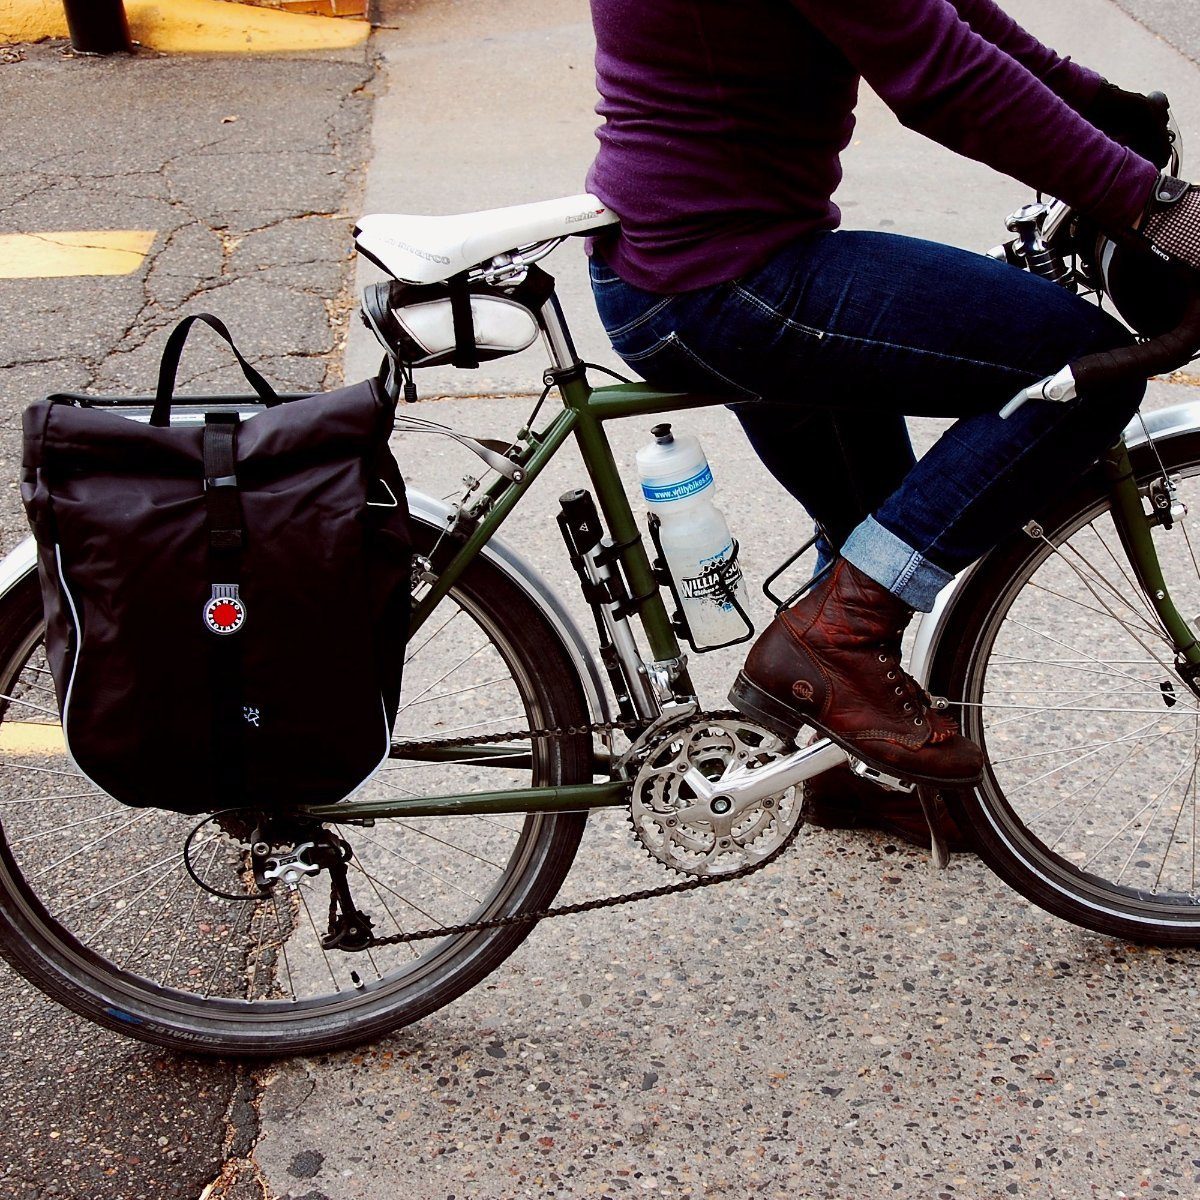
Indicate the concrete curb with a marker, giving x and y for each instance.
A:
(195, 27)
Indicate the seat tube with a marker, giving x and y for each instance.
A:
(559, 343)
(610, 494)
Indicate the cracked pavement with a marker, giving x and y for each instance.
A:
(249, 171)
(848, 1024)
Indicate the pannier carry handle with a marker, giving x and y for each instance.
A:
(161, 416)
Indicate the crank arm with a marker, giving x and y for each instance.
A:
(746, 785)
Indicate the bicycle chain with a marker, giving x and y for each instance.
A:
(584, 906)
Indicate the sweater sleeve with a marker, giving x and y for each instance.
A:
(1074, 84)
(945, 80)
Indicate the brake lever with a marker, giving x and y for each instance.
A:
(1060, 389)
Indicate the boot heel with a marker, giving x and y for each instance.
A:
(751, 701)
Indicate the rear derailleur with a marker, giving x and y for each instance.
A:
(284, 853)
(349, 927)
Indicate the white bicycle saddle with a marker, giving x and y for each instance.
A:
(432, 249)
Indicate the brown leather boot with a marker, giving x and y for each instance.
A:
(832, 661)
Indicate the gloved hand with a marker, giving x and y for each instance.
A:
(1134, 120)
(1172, 220)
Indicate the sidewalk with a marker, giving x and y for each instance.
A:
(846, 1025)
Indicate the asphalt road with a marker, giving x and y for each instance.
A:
(247, 171)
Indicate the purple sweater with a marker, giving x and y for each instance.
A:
(724, 121)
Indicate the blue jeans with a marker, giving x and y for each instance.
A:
(826, 349)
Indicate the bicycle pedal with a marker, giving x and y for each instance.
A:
(889, 783)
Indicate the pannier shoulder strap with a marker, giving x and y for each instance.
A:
(161, 416)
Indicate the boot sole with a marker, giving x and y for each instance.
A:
(780, 718)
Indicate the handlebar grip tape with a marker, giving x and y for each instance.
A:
(1156, 357)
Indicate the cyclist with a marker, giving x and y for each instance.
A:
(723, 126)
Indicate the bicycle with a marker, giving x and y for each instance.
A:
(213, 935)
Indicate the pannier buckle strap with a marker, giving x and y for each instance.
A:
(220, 482)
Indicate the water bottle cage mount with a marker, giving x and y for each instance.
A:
(720, 585)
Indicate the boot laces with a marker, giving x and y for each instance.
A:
(913, 698)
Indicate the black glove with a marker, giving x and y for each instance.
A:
(1139, 122)
(1172, 221)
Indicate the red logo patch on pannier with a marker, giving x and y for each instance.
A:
(225, 612)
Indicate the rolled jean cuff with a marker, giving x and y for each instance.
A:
(895, 565)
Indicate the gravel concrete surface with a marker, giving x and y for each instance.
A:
(847, 1024)
(247, 169)
(1173, 20)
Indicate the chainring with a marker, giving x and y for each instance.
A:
(718, 836)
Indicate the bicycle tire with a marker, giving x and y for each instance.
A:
(1062, 673)
(82, 961)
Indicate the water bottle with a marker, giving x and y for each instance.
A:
(677, 483)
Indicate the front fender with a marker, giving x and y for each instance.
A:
(1165, 422)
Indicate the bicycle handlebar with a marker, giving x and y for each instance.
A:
(1169, 352)
(1162, 354)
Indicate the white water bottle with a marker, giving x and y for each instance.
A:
(678, 486)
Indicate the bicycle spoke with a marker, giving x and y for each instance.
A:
(384, 905)
(33, 837)
(212, 858)
(423, 870)
(474, 687)
(49, 712)
(1156, 804)
(1191, 783)
(337, 987)
(1139, 749)
(1088, 657)
(152, 924)
(413, 652)
(1090, 608)
(112, 887)
(451, 845)
(462, 662)
(283, 948)
(47, 799)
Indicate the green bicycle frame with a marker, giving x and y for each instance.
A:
(584, 413)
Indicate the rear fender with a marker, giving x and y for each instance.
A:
(21, 562)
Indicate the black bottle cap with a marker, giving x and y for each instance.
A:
(662, 435)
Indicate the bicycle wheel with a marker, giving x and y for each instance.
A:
(1089, 802)
(99, 912)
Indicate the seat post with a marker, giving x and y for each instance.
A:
(557, 336)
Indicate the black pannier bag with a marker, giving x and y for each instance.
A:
(226, 603)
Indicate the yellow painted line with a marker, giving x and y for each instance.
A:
(194, 26)
(24, 737)
(77, 252)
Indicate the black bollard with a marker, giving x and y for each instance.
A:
(98, 26)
